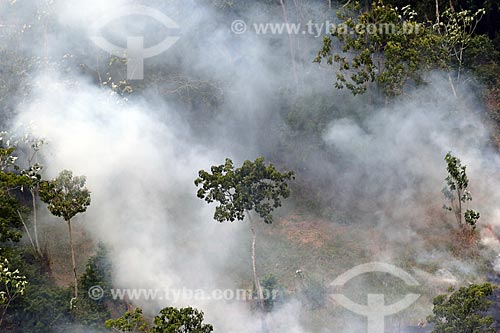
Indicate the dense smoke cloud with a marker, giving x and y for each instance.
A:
(383, 166)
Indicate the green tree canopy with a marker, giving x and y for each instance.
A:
(463, 311)
(12, 284)
(185, 320)
(253, 186)
(381, 44)
(10, 182)
(65, 195)
(169, 320)
(456, 191)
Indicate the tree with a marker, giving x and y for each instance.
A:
(10, 209)
(252, 187)
(92, 311)
(12, 284)
(185, 320)
(458, 31)
(456, 191)
(169, 320)
(273, 291)
(463, 311)
(34, 177)
(65, 197)
(381, 45)
(10, 218)
(129, 322)
(45, 305)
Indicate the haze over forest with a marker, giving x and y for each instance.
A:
(217, 165)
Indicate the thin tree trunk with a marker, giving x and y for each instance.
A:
(27, 231)
(437, 16)
(5, 310)
(460, 60)
(75, 277)
(35, 224)
(459, 217)
(290, 41)
(453, 90)
(260, 295)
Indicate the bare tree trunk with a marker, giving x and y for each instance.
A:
(437, 16)
(459, 212)
(75, 277)
(453, 90)
(290, 41)
(5, 310)
(260, 294)
(27, 231)
(35, 224)
(460, 60)
(346, 4)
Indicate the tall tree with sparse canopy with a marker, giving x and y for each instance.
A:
(456, 191)
(65, 197)
(254, 186)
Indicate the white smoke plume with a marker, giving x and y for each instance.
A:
(141, 154)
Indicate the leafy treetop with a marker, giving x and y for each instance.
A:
(456, 191)
(169, 320)
(65, 195)
(253, 186)
(463, 310)
(392, 50)
(185, 320)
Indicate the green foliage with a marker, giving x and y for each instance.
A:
(457, 178)
(12, 284)
(65, 195)
(471, 218)
(273, 291)
(253, 186)
(169, 320)
(185, 320)
(98, 273)
(397, 50)
(456, 191)
(44, 306)
(483, 60)
(90, 312)
(458, 29)
(463, 311)
(7, 148)
(129, 322)
(10, 220)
